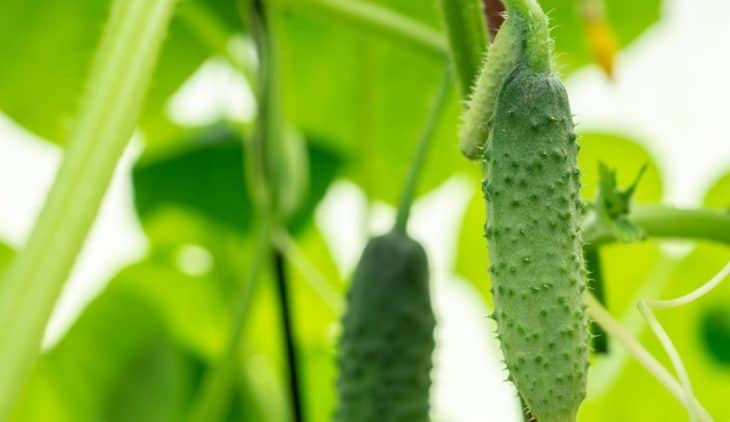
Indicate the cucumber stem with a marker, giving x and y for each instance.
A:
(666, 222)
(119, 78)
(419, 160)
(467, 33)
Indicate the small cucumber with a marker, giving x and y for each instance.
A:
(384, 355)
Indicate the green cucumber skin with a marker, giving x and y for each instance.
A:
(384, 355)
(533, 232)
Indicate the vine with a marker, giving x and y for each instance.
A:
(119, 78)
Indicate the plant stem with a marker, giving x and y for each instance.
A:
(378, 20)
(409, 190)
(289, 342)
(119, 78)
(288, 247)
(212, 402)
(667, 222)
(635, 349)
(467, 34)
(596, 286)
(265, 151)
(661, 334)
(261, 155)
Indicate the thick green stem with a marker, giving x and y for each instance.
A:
(467, 33)
(667, 222)
(409, 190)
(377, 20)
(118, 81)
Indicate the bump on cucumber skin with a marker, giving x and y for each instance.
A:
(384, 355)
(533, 232)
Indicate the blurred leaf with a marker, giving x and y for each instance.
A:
(628, 19)
(72, 381)
(156, 386)
(367, 97)
(6, 253)
(138, 351)
(624, 156)
(718, 196)
(715, 333)
(47, 51)
(206, 176)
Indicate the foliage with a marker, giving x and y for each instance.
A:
(140, 350)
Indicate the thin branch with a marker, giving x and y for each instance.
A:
(284, 243)
(635, 349)
(694, 295)
(419, 161)
(661, 334)
(282, 284)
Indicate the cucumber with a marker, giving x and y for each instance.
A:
(538, 273)
(384, 355)
(520, 122)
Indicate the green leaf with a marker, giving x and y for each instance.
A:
(625, 156)
(628, 19)
(718, 196)
(156, 386)
(71, 381)
(367, 97)
(47, 52)
(612, 205)
(205, 176)
(139, 350)
(6, 254)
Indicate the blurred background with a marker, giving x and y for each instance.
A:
(147, 307)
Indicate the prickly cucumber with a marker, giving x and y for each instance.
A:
(384, 356)
(533, 231)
